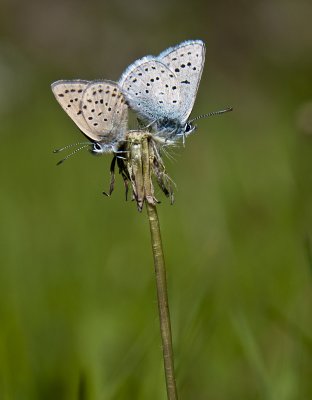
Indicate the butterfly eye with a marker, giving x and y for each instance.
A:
(188, 127)
(97, 148)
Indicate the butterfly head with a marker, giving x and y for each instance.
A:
(98, 148)
(183, 130)
(188, 128)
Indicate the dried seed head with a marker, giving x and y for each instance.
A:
(140, 162)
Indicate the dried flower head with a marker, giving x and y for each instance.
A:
(139, 161)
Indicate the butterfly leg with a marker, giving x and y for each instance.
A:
(112, 174)
(151, 123)
(126, 183)
(124, 173)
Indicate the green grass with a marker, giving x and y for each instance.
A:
(78, 316)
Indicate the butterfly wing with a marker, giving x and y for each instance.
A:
(98, 108)
(105, 110)
(151, 89)
(165, 87)
(186, 61)
(69, 95)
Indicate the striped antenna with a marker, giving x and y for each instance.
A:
(211, 114)
(71, 145)
(73, 153)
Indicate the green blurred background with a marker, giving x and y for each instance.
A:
(78, 313)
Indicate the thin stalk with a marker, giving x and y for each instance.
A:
(161, 281)
(162, 297)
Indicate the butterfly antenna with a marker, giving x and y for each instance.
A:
(70, 145)
(73, 153)
(211, 114)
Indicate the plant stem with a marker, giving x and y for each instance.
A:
(162, 297)
(139, 167)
